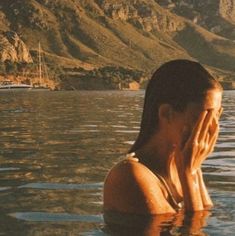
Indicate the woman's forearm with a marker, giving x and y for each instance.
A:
(191, 191)
(206, 200)
(195, 193)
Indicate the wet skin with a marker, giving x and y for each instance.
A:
(176, 151)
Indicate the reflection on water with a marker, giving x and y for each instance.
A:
(56, 148)
(178, 224)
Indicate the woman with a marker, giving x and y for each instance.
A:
(179, 128)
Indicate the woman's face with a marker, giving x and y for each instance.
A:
(185, 121)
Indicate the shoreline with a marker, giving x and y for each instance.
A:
(54, 85)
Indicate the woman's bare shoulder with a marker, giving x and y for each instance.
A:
(130, 169)
(131, 187)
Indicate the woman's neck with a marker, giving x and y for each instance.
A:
(156, 154)
(159, 157)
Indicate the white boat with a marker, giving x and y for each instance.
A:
(41, 73)
(7, 84)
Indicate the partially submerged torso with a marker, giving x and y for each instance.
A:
(131, 187)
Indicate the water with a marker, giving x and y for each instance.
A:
(56, 148)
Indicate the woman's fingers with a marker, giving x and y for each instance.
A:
(207, 125)
(213, 139)
(204, 147)
(220, 112)
(191, 146)
(197, 128)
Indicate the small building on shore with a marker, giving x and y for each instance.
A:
(134, 85)
(129, 86)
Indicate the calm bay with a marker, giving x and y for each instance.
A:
(57, 147)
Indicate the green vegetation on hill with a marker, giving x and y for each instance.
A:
(109, 77)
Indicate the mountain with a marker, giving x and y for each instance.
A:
(217, 16)
(97, 44)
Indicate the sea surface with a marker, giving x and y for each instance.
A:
(57, 147)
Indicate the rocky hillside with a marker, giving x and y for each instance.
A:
(12, 48)
(217, 16)
(102, 43)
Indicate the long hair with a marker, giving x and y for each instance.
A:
(177, 83)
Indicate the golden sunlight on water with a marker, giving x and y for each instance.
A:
(56, 148)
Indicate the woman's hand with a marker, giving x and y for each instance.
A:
(190, 156)
(200, 144)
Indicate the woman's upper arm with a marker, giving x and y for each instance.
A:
(130, 187)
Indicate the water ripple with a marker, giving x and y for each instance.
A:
(56, 217)
(59, 186)
(9, 169)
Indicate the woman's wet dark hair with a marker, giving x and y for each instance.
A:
(177, 83)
